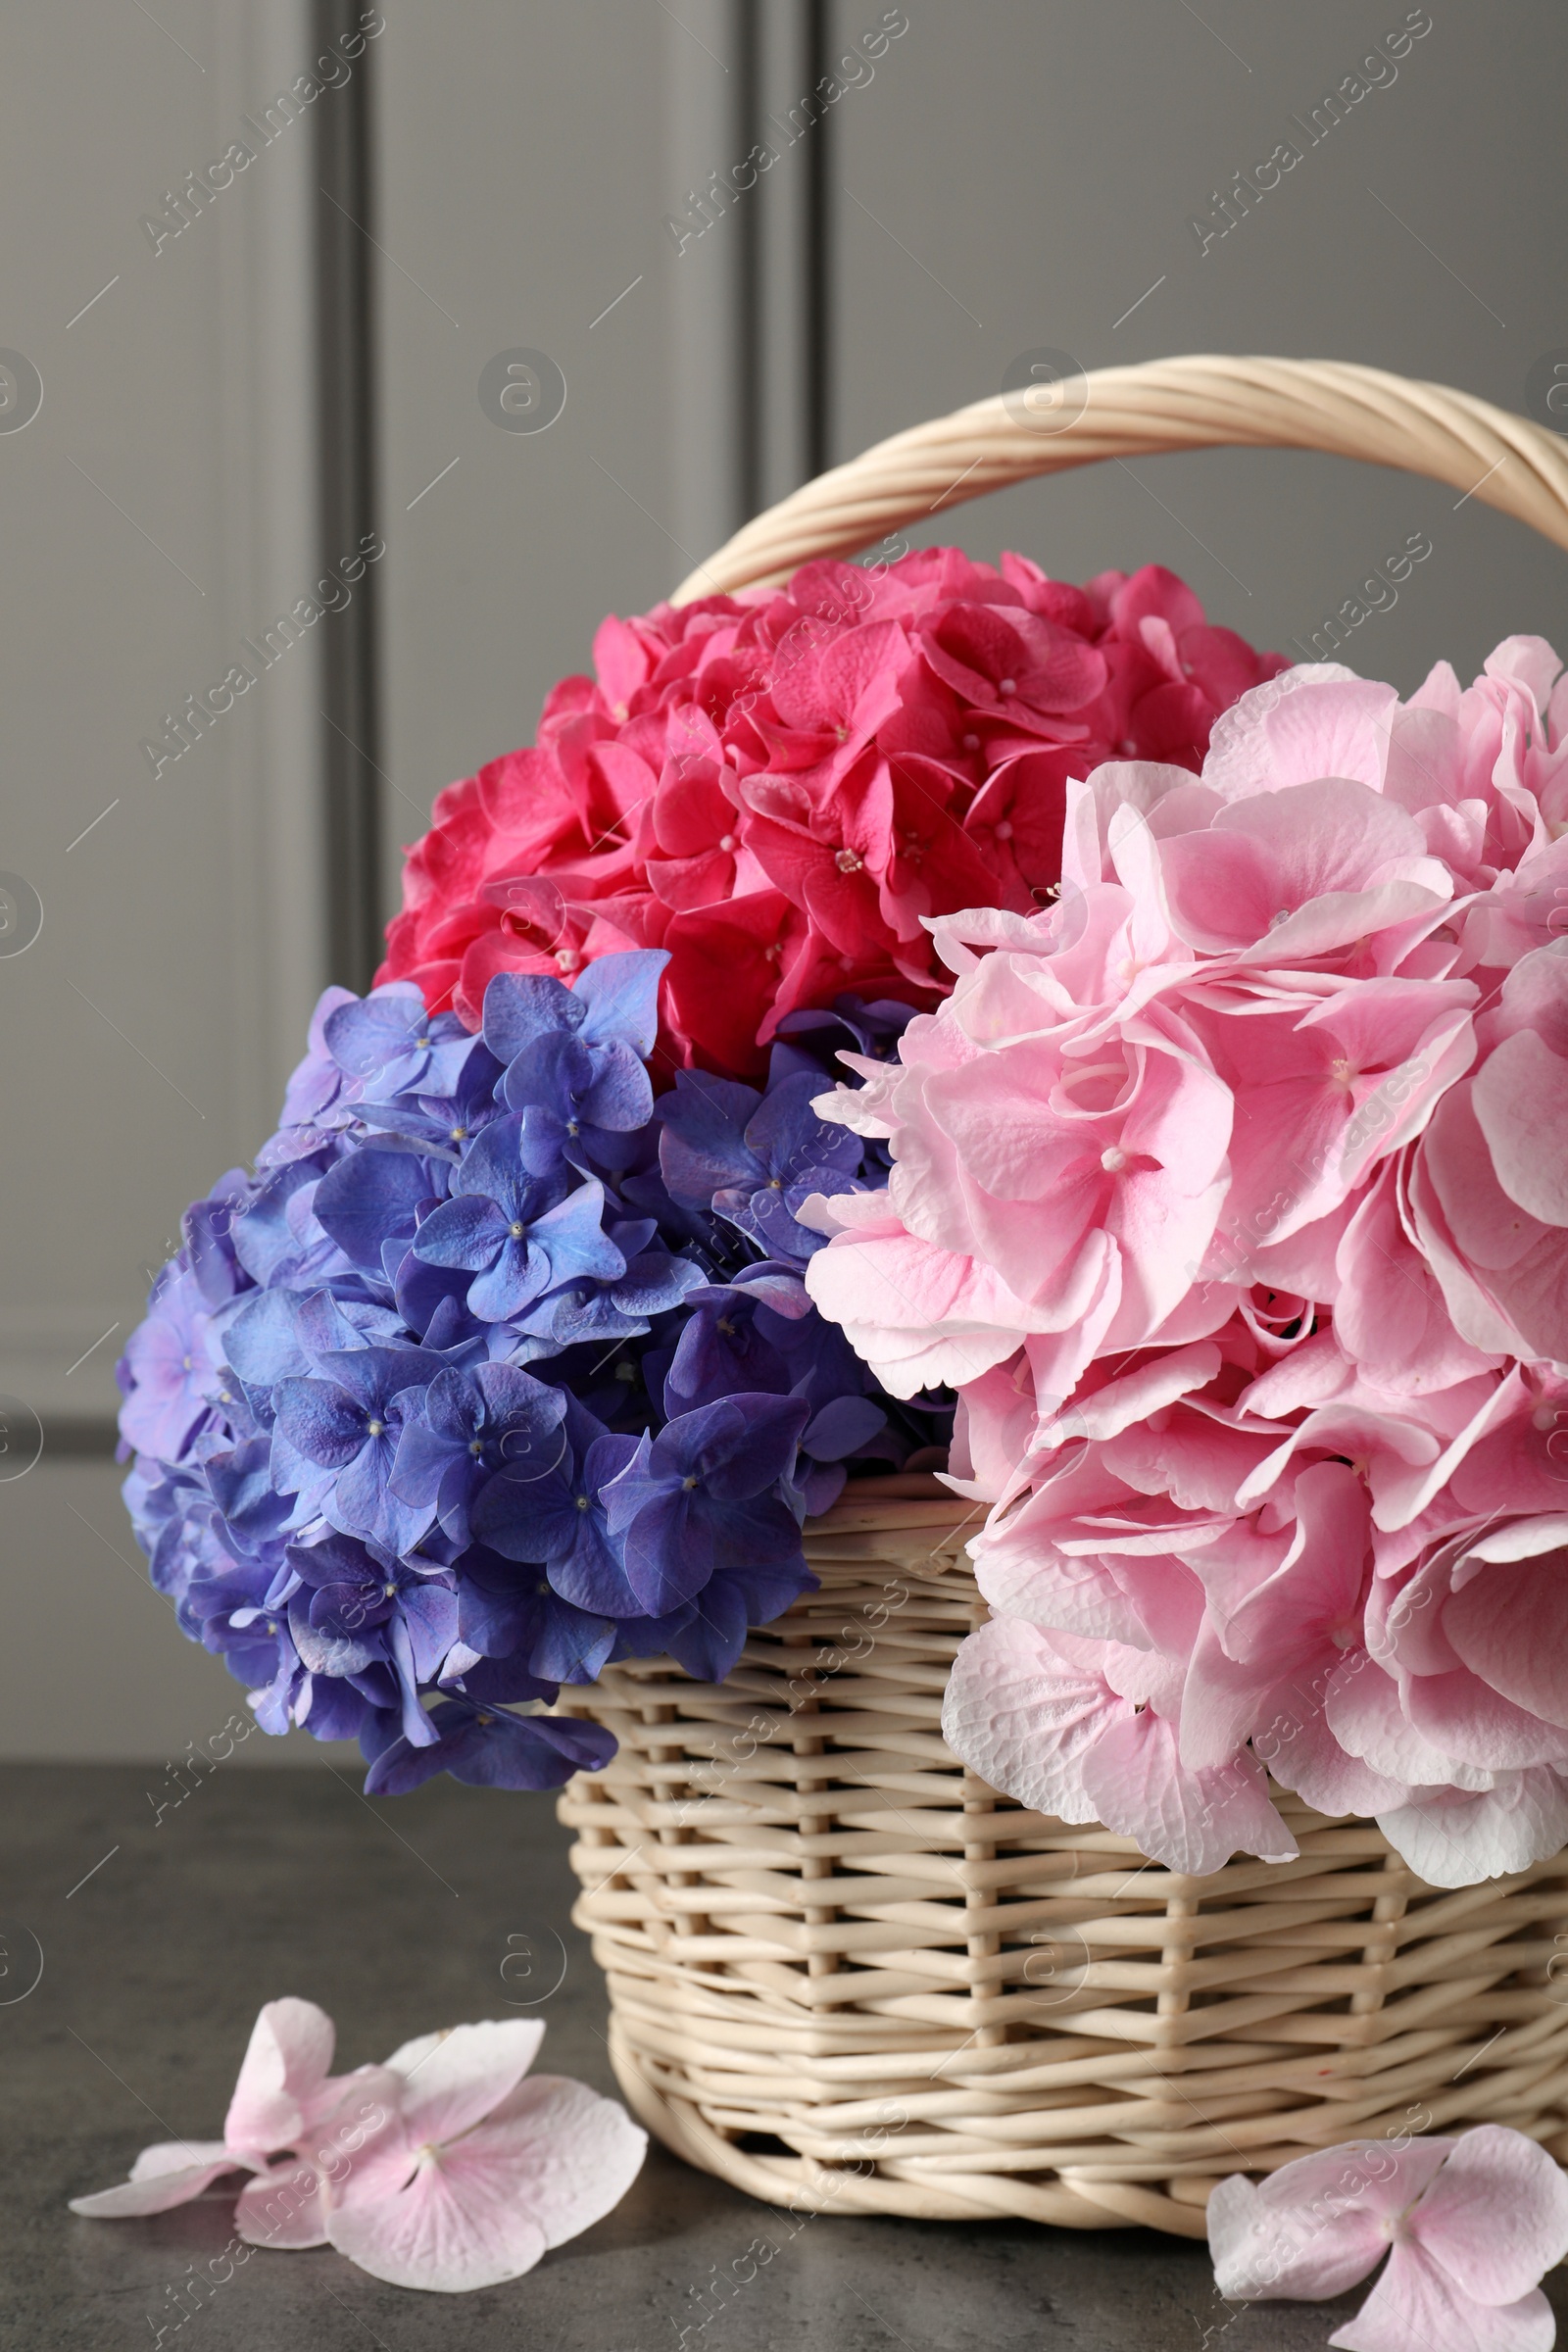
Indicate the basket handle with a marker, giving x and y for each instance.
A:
(1352, 412)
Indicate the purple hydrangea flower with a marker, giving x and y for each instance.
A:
(468, 1425)
(314, 1108)
(492, 1749)
(699, 1497)
(495, 1371)
(755, 1158)
(169, 1367)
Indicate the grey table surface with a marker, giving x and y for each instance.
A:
(399, 1916)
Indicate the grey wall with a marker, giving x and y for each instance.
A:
(522, 172)
(1015, 173)
(155, 510)
(1044, 162)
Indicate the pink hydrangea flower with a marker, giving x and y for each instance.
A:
(1272, 1572)
(1230, 1195)
(449, 2168)
(1469, 2225)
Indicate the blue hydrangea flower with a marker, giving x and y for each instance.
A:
(615, 1002)
(819, 1038)
(510, 1611)
(273, 1235)
(209, 1227)
(579, 1103)
(349, 1423)
(468, 1425)
(495, 1370)
(232, 1610)
(518, 1235)
(735, 1338)
(559, 1518)
(492, 1749)
(371, 1202)
(441, 1124)
(755, 1158)
(574, 1058)
(392, 1046)
(239, 1480)
(359, 1605)
(699, 1497)
(592, 1310)
(708, 1635)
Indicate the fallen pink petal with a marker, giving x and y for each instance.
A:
(161, 2178)
(482, 2172)
(450, 2168)
(1469, 2225)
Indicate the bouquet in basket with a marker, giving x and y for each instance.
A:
(500, 1362)
(924, 989)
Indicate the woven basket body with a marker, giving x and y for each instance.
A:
(845, 1972)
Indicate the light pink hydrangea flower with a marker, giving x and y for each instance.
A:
(1231, 1195)
(1469, 2226)
(1263, 1570)
(445, 2169)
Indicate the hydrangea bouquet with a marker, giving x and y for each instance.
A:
(501, 1362)
(1231, 1197)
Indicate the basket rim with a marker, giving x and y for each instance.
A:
(1197, 401)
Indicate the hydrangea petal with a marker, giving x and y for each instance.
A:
(1416, 2303)
(282, 2077)
(193, 2167)
(1496, 2214)
(1319, 2225)
(455, 2227)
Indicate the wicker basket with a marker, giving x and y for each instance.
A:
(845, 1972)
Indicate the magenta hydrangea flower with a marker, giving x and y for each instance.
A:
(779, 789)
